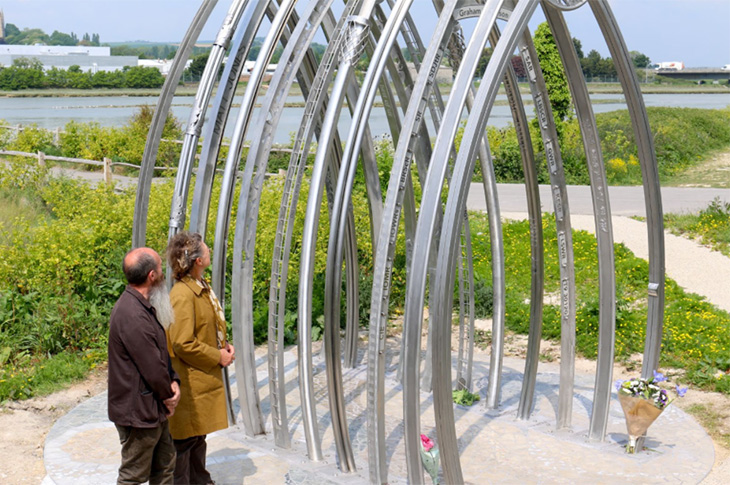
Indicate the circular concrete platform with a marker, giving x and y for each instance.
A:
(495, 447)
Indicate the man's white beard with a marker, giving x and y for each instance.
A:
(160, 301)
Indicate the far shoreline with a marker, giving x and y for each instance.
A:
(191, 90)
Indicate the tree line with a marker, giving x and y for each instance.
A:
(593, 65)
(15, 36)
(29, 74)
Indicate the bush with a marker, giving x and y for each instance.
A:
(682, 137)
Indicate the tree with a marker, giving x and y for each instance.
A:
(12, 33)
(483, 61)
(519, 66)
(95, 40)
(30, 37)
(552, 70)
(23, 74)
(143, 77)
(197, 66)
(578, 48)
(60, 38)
(56, 78)
(640, 60)
(596, 66)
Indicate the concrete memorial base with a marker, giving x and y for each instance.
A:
(495, 447)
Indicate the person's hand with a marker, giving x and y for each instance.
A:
(172, 402)
(227, 355)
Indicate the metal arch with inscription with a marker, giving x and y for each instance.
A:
(437, 248)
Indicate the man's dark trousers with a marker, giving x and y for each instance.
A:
(146, 451)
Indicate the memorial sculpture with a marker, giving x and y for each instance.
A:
(436, 233)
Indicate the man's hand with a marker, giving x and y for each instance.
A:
(228, 355)
(172, 402)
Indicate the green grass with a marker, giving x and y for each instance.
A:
(696, 334)
(710, 227)
(28, 377)
(16, 207)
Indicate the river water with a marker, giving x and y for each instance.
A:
(51, 113)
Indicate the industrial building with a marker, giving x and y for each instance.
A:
(62, 57)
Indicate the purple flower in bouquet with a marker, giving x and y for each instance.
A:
(659, 377)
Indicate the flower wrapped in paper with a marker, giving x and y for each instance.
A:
(430, 458)
(642, 401)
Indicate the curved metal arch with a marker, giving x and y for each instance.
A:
(294, 55)
(655, 224)
(564, 232)
(213, 132)
(146, 171)
(454, 207)
(436, 235)
(415, 286)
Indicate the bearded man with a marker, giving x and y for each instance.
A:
(143, 387)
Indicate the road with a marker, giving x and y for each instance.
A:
(625, 201)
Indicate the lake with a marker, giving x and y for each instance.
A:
(51, 113)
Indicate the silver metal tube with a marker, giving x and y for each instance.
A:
(293, 56)
(213, 131)
(591, 142)
(341, 202)
(146, 171)
(400, 176)
(415, 286)
(455, 205)
(197, 116)
(242, 287)
(287, 213)
(549, 133)
(652, 195)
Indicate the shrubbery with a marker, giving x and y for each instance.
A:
(682, 136)
(61, 258)
(61, 243)
(92, 141)
(29, 74)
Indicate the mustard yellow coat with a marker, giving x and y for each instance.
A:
(193, 344)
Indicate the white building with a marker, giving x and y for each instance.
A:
(164, 65)
(62, 57)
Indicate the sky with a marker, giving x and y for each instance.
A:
(696, 32)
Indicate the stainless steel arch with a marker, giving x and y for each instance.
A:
(434, 238)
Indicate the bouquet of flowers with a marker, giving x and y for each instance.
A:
(642, 401)
(430, 458)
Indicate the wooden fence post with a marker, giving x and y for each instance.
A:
(57, 136)
(108, 170)
(41, 159)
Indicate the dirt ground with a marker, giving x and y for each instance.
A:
(25, 424)
(715, 172)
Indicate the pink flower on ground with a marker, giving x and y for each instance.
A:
(426, 443)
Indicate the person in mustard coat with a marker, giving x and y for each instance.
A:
(198, 350)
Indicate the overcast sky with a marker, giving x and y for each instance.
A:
(696, 32)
